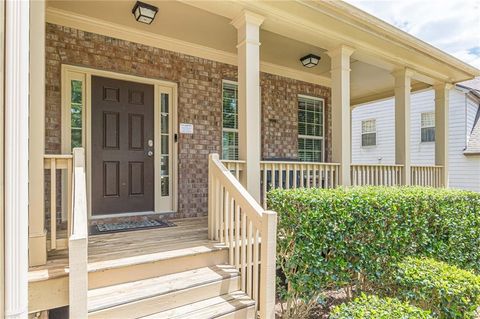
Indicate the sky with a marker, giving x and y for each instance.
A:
(450, 25)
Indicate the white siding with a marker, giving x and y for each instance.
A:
(464, 170)
(383, 152)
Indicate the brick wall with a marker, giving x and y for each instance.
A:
(279, 115)
(199, 101)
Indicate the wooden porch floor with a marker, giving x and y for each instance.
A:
(111, 250)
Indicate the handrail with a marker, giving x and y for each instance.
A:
(249, 232)
(78, 240)
(54, 162)
(426, 175)
(376, 174)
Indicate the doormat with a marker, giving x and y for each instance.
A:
(108, 228)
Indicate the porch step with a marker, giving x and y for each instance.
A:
(135, 268)
(160, 294)
(235, 305)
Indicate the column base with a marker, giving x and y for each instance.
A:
(37, 249)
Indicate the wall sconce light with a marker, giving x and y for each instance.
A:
(144, 12)
(309, 61)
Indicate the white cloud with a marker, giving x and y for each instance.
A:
(450, 25)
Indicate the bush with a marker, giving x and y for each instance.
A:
(372, 307)
(352, 237)
(448, 291)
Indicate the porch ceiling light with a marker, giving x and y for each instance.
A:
(144, 12)
(309, 61)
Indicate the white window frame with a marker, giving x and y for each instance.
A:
(312, 137)
(362, 133)
(422, 127)
(230, 130)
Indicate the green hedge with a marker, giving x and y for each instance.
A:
(448, 291)
(372, 307)
(354, 236)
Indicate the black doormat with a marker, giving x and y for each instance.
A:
(108, 228)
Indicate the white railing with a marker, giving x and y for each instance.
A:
(78, 240)
(238, 221)
(54, 163)
(376, 175)
(276, 174)
(426, 175)
(234, 166)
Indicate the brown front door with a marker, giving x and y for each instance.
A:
(122, 146)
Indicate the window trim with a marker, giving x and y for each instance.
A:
(362, 133)
(315, 98)
(225, 129)
(422, 127)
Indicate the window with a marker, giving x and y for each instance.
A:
(230, 121)
(428, 127)
(310, 129)
(76, 104)
(73, 110)
(369, 133)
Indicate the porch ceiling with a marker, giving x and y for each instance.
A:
(282, 46)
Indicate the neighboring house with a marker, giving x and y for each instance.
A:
(113, 113)
(373, 140)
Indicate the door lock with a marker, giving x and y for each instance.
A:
(150, 143)
(150, 153)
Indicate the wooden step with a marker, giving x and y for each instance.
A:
(134, 268)
(48, 287)
(233, 305)
(148, 296)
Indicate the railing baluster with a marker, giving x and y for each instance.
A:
(295, 176)
(287, 177)
(231, 228)
(256, 258)
(249, 258)
(237, 237)
(264, 185)
(53, 203)
(244, 251)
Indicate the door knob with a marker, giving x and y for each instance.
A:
(150, 153)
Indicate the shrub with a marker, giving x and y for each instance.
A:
(372, 307)
(352, 237)
(448, 291)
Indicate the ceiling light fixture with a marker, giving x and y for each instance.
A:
(309, 61)
(144, 12)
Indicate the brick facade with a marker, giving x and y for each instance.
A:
(199, 101)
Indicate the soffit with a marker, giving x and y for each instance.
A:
(188, 23)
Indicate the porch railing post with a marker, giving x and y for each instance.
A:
(268, 265)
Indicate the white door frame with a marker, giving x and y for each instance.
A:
(70, 72)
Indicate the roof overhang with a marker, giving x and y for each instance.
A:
(328, 24)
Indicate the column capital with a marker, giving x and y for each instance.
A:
(442, 86)
(342, 50)
(403, 73)
(247, 17)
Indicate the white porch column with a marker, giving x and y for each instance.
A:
(403, 79)
(37, 243)
(341, 123)
(249, 108)
(16, 158)
(2, 157)
(442, 92)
